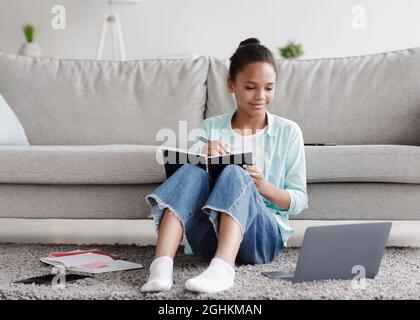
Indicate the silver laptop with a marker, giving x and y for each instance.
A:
(339, 252)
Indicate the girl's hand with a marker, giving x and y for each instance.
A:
(215, 148)
(257, 176)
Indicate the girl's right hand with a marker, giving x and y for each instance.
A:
(215, 148)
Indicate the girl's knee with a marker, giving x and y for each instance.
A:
(192, 171)
(233, 171)
(233, 168)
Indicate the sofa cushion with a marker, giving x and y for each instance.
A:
(132, 164)
(107, 164)
(81, 201)
(77, 102)
(362, 201)
(367, 163)
(372, 99)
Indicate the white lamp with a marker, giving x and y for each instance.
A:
(113, 22)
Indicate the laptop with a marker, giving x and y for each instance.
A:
(339, 252)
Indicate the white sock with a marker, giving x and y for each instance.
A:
(160, 278)
(219, 276)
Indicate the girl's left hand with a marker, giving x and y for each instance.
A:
(258, 178)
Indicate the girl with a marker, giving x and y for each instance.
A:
(243, 215)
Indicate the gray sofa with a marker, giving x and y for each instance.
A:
(93, 129)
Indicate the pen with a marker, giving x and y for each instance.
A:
(205, 140)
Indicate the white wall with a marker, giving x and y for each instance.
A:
(156, 28)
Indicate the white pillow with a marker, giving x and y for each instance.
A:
(11, 130)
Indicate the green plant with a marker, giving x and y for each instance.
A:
(291, 50)
(29, 31)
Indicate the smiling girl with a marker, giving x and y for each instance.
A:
(242, 217)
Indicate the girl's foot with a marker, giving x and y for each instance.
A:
(160, 278)
(219, 276)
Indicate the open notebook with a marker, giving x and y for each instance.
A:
(90, 262)
(174, 158)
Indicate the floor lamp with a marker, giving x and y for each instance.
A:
(112, 22)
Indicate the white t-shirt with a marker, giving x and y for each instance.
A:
(250, 143)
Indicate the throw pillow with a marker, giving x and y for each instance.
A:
(11, 130)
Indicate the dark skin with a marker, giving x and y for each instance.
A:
(253, 88)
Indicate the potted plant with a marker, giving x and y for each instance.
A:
(30, 48)
(291, 50)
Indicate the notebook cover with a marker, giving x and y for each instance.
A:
(214, 165)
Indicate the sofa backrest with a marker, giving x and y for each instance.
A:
(372, 99)
(65, 102)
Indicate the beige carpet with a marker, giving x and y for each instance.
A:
(398, 278)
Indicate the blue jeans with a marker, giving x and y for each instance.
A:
(197, 202)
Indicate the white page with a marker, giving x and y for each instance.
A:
(116, 265)
(78, 262)
(78, 259)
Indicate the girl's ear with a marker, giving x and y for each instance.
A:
(230, 86)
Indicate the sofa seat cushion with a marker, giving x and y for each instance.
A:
(96, 164)
(136, 164)
(363, 163)
(362, 201)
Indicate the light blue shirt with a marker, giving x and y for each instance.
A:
(284, 161)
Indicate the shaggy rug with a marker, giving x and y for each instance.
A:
(398, 277)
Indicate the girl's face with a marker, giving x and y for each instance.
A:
(254, 88)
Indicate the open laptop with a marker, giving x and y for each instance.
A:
(339, 252)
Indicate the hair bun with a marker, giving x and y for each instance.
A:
(249, 41)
